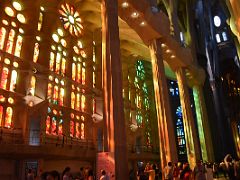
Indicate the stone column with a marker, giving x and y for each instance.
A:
(115, 132)
(167, 143)
(202, 124)
(188, 120)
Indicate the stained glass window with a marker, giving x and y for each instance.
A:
(32, 85)
(13, 81)
(48, 124)
(18, 46)
(1, 115)
(71, 128)
(56, 92)
(71, 19)
(2, 37)
(8, 117)
(10, 40)
(40, 21)
(36, 53)
(4, 78)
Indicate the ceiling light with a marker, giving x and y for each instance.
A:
(142, 23)
(125, 5)
(168, 51)
(134, 14)
(173, 56)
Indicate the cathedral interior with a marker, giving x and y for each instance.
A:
(142, 80)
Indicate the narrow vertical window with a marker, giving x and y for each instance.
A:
(33, 85)
(78, 102)
(83, 75)
(11, 36)
(73, 71)
(18, 46)
(63, 67)
(58, 61)
(78, 131)
(36, 53)
(4, 78)
(61, 96)
(40, 20)
(1, 115)
(60, 127)
(51, 62)
(71, 128)
(54, 126)
(83, 102)
(72, 100)
(2, 37)
(55, 95)
(49, 92)
(79, 73)
(82, 131)
(48, 124)
(13, 81)
(8, 117)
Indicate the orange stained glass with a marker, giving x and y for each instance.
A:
(1, 115)
(18, 46)
(78, 102)
(94, 105)
(74, 71)
(48, 124)
(78, 72)
(71, 128)
(78, 131)
(40, 20)
(58, 61)
(2, 37)
(83, 102)
(82, 131)
(54, 126)
(13, 81)
(72, 100)
(51, 62)
(61, 96)
(8, 117)
(60, 127)
(63, 68)
(11, 36)
(83, 75)
(55, 94)
(2, 98)
(49, 92)
(32, 85)
(4, 78)
(94, 79)
(36, 52)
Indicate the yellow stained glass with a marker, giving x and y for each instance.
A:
(8, 117)
(2, 37)
(74, 71)
(9, 11)
(32, 85)
(1, 115)
(13, 81)
(72, 100)
(40, 21)
(21, 18)
(51, 62)
(11, 36)
(36, 52)
(4, 78)
(18, 46)
(63, 68)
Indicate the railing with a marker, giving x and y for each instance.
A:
(39, 138)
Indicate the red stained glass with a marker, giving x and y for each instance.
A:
(72, 100)
(8, 117)
(55, 94)
(71, 128)
(61, 97)
(48, 124)
(60, 127)
(54, 126)
(78, 130)
(2, 37)
(36, 53)
(82, 131)
(9, 48)
(58, 60)
(18, 46)
(4, 78)
(1, 115)
(49, 92)
(94, 105)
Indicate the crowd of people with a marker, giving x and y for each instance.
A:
(228, 169)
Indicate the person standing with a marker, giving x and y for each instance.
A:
(168, 171)
(199, 171)
(66, 174)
